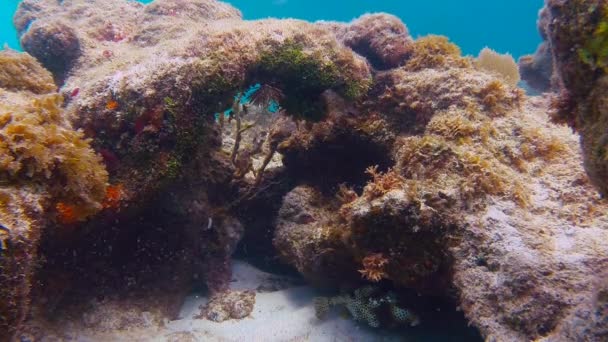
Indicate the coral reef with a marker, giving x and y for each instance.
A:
(228, 305)
(386, 159)
(472, 171)
(577, 33)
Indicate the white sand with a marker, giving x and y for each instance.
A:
(285, 315)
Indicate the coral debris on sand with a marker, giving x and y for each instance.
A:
(382, 158)
(228, 305)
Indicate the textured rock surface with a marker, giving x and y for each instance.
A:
(228, 305)
(537, 69)
(44, 162)
(383, 39)
(578, 38)
(143, 83)
(485, 196)
(411, 166)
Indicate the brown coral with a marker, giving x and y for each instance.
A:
(435, 52)
(383, 39)
(382, 183)
(374, 267)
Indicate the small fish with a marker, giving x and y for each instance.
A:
(4, 232)
(75, 92)
(111, 105)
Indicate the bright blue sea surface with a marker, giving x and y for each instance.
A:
(504, 25)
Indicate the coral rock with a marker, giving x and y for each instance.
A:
(43, 161)
(383, 39)
(229, 305)
(582, 75)
(537, 69)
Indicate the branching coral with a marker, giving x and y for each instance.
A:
(382, 183)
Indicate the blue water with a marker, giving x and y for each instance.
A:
(504, 25)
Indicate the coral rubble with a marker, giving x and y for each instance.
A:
(228, 305)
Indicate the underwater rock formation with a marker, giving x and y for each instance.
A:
(403, 162)
(44, 165)
(228, 305)
(577, 33)
(382, 38)
(482, 188)
(537, 69)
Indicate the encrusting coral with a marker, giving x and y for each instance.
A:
(228, 305)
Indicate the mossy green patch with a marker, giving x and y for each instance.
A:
(303, 75)
(595, 51)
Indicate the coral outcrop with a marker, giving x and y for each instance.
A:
(577, 33)
(44, 164)
(383, 39)
(393, 161)
(473, 176)
(537, 69)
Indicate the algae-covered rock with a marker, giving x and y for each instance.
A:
(148, 115)
(577, 33)
(308, 236)
(48, 172)
(411, 167)
(382, 38)
(470, 194)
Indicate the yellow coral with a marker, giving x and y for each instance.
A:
(451, 126)
(502, 65)
(434, 52)
(38, 145)
(20, 71)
